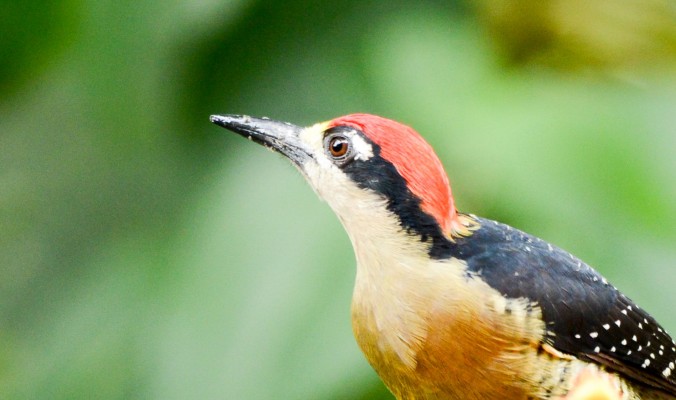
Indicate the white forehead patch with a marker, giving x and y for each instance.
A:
(363, 150)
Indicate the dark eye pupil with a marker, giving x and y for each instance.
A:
(338, 147)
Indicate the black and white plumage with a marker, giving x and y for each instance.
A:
(437, 292)
(585, 315)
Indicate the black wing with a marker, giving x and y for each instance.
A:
(585, 315)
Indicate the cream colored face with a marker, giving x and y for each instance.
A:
(329, 152)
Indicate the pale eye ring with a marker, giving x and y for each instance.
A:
(339, 148)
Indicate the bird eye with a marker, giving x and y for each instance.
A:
(339, 148)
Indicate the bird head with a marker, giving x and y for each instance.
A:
(375, 173)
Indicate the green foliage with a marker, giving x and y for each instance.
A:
(148, 254)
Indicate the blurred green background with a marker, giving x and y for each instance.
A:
(145, 253)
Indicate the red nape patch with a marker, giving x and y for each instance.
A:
(414, 159)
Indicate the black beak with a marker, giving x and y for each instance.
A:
(282, 137)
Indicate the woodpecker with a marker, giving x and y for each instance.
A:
(448, 305)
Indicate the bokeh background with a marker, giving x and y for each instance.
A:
(147, 254)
